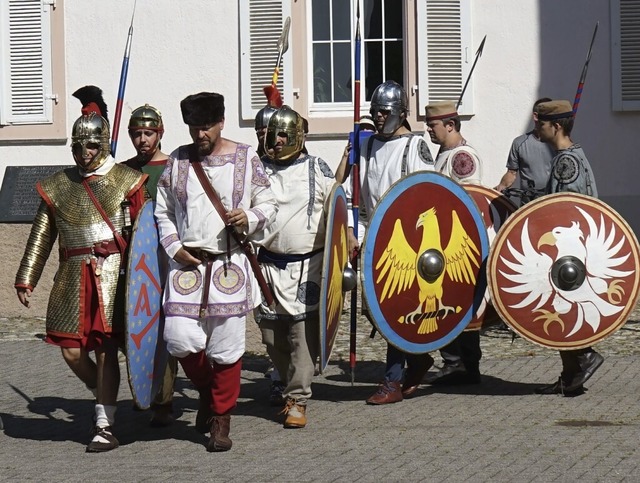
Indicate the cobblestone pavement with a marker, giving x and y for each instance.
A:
(496, 431)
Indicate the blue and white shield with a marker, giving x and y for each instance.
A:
(146, 351)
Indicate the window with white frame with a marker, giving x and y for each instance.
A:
(25, 64)
(332, 47)
(625, 54)
(425, 45)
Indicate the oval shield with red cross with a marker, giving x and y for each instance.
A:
(563, 271)
(145, 345)
(495, 208)
(422, 260)
(336, 260)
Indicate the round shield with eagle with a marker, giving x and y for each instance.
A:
(422, 262)
(563, 271)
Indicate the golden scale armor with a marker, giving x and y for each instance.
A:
(68, 213)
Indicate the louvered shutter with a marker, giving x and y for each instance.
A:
(625, 42)
(25, 63)
(260, 28)
(445, 53)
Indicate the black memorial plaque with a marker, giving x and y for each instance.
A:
(19, 199)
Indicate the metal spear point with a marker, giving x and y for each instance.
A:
(478, 54)
(273, 95)
(583, 76)
(123, 84)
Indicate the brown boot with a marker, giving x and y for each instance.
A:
(296, 414)
(162, 416)
(203, 417)
(388, 392)
(414, 376)
(219, 440)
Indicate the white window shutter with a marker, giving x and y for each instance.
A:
(445, 53)
(261, 24)
(25, 62)
(625, 54)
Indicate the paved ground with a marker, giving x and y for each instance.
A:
(497, 431)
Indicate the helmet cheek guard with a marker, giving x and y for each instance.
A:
(149, 118)
(392, 98)
(285, 121)
(91, 129)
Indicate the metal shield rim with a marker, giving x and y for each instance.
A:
(524, 212)
(337, 192)
(376, 317)
(147, 205)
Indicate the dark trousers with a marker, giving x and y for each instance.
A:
(571, 363)
(464, 349)
(396, 360)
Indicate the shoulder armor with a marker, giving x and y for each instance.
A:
(127, 177)
(325, 168)
(566, 169)
(463, 164)
(424, 152)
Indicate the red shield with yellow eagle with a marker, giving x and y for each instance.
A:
(422, 261)
(495, 208)
(563, 271)
(335, 265)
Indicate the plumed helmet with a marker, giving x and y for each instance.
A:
(263, 116)
(390, 96)
(146, 117)
(285, 120)
(91, 129)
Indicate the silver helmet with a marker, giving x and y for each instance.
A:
(263, 116)
(285, 120)
(91, 129)
(390, 96)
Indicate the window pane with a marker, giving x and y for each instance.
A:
(394, 60)
(320, 19)
(372, 67)
(341, 20)
(321, 73)
(372, 19)
(342, 72)
(393, 19)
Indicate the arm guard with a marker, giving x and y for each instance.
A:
(43, 235)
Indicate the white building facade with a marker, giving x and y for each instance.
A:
(534, 48)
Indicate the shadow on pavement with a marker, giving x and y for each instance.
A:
(64, 419)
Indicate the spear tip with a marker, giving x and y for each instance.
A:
(481, 48)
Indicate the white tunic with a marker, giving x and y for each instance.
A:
(382, 166)
(301, 189)
(462, 164)
(186, 217)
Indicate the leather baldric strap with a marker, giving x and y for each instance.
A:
(245, 245)
(120, 241)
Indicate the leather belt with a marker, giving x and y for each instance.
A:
(100, 249)
(207, 259)
(203, 255)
